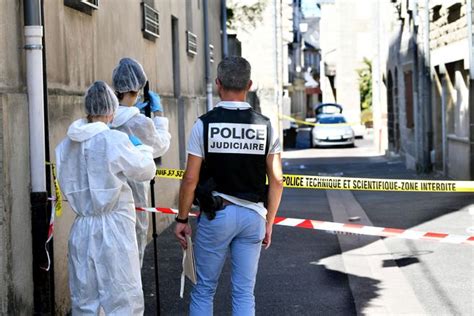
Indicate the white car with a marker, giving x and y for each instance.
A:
(332, 130)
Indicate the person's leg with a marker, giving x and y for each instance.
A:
(141, 228)
(82, 280)
(118, 268)
(210, 248)
(245, 252)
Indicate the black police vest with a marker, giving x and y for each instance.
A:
(236, 144)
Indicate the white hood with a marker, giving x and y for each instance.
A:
(80, 130)
(123, 114)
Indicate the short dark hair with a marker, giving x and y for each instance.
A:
(234, 73)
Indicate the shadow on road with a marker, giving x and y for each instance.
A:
(288, 283)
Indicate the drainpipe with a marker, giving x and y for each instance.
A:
(207, 61)
(443, 120)
(34, 81)
(225, 48)
(471, 85)
(469, 39)
(428, 146)
(33, 31)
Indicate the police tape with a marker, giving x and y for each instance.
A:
(355, 184)
(58, 205)
(348, 228)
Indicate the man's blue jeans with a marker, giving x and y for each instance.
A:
(241, 231)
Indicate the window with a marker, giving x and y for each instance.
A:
(150, 22)
(86, 6)
(332, 120)
(454, 12)
(436, 13)
(191, 43)
(409, 99)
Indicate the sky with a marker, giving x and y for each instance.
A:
(309, 8)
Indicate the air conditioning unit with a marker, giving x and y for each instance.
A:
(86, 6)
(191, 43)
(94, 4)
(150, 22)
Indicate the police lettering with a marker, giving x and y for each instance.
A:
(240, 146)
(238, 133)
(237, 138)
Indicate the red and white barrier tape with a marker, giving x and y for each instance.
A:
(351, 228)
(50, 233)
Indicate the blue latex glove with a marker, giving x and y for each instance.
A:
(155, 101)
(135, 140)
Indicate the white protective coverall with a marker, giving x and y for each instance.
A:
(94, 164)
(153, 133)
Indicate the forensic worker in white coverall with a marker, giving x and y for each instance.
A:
(94, 163)
(128, 79)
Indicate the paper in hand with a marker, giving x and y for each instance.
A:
(189, 266)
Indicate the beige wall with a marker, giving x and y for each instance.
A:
(80, 49)
(11, 43)
(16, 281)
(83, 48)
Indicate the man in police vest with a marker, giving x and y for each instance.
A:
(231, 151)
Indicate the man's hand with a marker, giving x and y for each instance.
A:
(180, 231)
(267, 241)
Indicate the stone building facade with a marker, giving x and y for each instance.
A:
(429, 73)
(270, 34)
(352, 31)
(81, 45)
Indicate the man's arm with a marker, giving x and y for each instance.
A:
(275, 190)
(186, 197)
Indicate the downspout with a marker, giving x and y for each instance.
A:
(443, 127)
(469, 39)
(418, 118)
(427, 89)
(207, 61)
(225, 48)
(33, 31)
(34, 81)
(471, 85)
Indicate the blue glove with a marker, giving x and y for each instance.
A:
(155, 101)
(135, 140)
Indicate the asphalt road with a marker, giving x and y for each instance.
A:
(309, 272)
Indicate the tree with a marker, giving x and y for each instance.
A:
(365, 88)
(244, 16)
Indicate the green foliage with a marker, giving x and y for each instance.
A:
(365, 85)
(244, 16)
(366, 117)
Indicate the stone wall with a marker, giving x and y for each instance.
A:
(444, 32)
(81, 48)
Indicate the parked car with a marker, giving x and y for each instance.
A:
(334, 108)
(331, 130)
(327, 108)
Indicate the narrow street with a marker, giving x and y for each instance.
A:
(309, 272)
